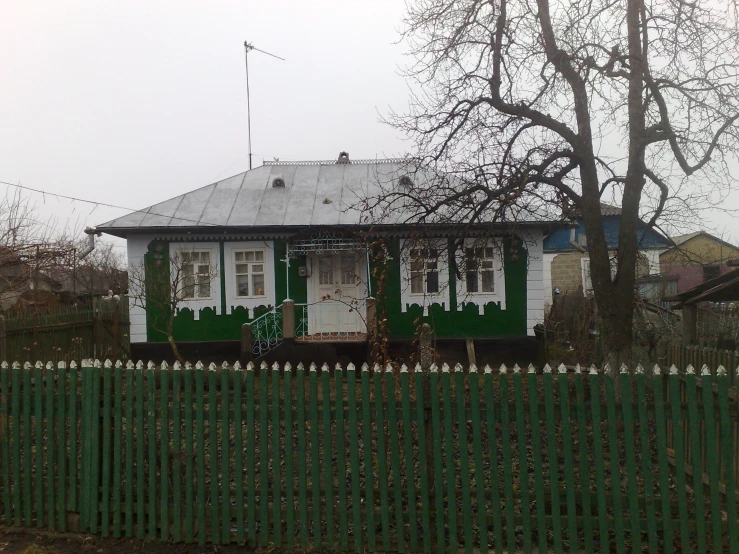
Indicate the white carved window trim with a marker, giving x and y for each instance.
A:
(233, 300)
(214, 301)
(480, 299)
(424, 299)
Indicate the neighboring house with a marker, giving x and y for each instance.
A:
(292, 230)
(566, 261)
(696, 258)
(22, 285)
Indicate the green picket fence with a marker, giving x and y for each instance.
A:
(682, 355)
(370, 460)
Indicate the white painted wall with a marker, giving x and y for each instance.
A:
(136, 247)
(534, 242)
(547, 278)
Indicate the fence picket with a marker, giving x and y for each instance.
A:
(482, 523)
(423, 460)
(351, 394)
(567, 450)
(316, 457)
(129, 448)
(369, 474)
(151, 424)
(276, 455)
(507, 454)
(212, 464)
(341, 499)
(164, 438)
(200, 450)
(328, 456)
(664, 485)
(613, 450)
(38, 428)
(5, 443)
(140, 454)
(450, 473)
(646, 456)
(289, 473)
(722, 381)
(27, 449)
(177, 452)
(117, 446)
(238, 422)
(494, 464)
(187, 377)
(629, 447)
(584, 466)
(382, 460)
(225, 481)
(695, 428)
(392, 426)
(463, 457)
(600, 471)
(264, 455)
(106, 456)
(679, 453)
(537, 460)
(553, 459)
(524, 483)
(302, 454)
(15, 407)
(410, 471)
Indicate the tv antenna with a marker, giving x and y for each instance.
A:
(248, 47)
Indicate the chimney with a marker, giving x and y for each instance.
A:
(343, 158)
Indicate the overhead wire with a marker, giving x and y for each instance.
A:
(144, 211)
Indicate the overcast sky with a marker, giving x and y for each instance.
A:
(132, 103)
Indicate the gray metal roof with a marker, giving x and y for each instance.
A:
(314, 194)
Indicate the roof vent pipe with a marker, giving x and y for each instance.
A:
(82, 254)
(343, 158)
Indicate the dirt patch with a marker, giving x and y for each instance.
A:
(68, 543)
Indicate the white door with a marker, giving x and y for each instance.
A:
(338, 305)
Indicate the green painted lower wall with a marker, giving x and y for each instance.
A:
(464, 322)
(452, 323)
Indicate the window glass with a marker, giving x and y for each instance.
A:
(196, 274)
(479, 266)
(249, 273)
(326, 270)
(423, 268)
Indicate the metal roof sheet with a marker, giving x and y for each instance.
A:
(314, 194)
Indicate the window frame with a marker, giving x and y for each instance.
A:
(424, 271)
(196, 297)
(250, 274)
(495, 269)
(424, 299)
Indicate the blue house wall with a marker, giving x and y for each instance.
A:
(559, 240)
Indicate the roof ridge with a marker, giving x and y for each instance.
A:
(333, 162)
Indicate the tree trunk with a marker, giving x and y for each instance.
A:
(175, 350)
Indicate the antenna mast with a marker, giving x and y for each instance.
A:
(248, 48)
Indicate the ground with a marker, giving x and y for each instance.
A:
(71, 543)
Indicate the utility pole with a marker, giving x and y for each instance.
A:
(248, 48)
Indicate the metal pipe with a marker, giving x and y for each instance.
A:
(90, 244)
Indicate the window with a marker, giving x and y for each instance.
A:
(196, 274)
(249, 272)
(587, 281)
(479, 269)
(424, 270)
(711, 272)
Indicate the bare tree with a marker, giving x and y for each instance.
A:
(163, 291)
(521, 106)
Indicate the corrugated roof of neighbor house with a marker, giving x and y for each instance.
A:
(279, 194)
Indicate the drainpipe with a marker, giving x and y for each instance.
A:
(90, 244)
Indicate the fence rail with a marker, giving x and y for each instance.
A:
(370, 460)
(65, 333)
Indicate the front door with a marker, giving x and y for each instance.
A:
(338, 305)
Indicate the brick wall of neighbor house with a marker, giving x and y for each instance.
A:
(686, 261)
(567, 272)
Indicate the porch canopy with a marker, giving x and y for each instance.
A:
(724, 288)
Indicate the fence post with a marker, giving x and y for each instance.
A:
(288, 320)
(247, 339)
(3, 349)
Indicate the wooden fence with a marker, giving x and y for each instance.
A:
(66, 333)
(682, 355)
(370, 460)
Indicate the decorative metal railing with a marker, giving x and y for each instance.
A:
(267, 331)
(301, 320)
